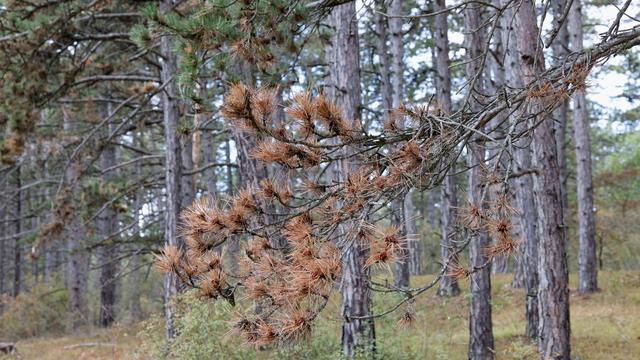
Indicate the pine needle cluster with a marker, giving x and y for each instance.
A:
(316, 218)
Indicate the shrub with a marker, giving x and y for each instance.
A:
(203, 328)
(43, 310)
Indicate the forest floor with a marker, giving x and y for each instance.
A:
(605, 325)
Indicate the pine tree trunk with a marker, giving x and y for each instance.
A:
(173, 166)
(553, 291)
(136, 277)
(17, 228)
(401, 268)
(210, 149)
(386, 91)
(409, 262)
(187, 185)
(448, 285)
(108, 252)
(495, 80)
(524, 198)
(587, 260)
(481, 344)
(413, 238)
(3, 235)
(560, 47)
(343, 56)
(518, 258)
(75, 233)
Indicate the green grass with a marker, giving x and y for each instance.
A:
(605, 325)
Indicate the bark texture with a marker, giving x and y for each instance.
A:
(108, 252)
(560, 48)
(77, 271)
(553, 291)
(357, 335)
(524, 198)
(587, 259)
(448, 285)
(409, 260)
(210, 149)
(173, 166)
(481, 343)
(17, 229)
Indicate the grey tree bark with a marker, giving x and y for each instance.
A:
(524, 198)
(495, 80)
(187, 185)
(587, 259)
(412, 263)
(401, 268)
(344, 88)
(173, 166)
(189, 157)
(448, 285)
(553, 291)
(77, 271)
(481, 343)
(137, 275)
(560, 48)
(210, 148)
(108, 252)
(3, 234)
(17, 229)
(386, 91)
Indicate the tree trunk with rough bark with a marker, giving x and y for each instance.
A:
(587, 260)
(448, 285)
(210, 149)
(136, 277)
(17, 229)
(553, 290)
(3, 234)
(173, 166)
(187, 185)
(560, 48)
(410, 262)
(108, 252)
(481, 343)
(77, 271)
(401, 268)
(524, 198)
(495, 80)
(344, 88)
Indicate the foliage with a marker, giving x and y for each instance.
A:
(41, 311)
(439, 332)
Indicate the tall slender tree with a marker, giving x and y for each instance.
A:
(553, 290)
(588, 265)
(481, 343)
(78, 257)
(526, 216)
(403, 206)
(108, 231)
(173, 166)
(387, 85)
(17, 230)
(448, 284)
(344, 86)
(409, 262)
(560, 49)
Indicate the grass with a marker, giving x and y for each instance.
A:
(605, 325)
